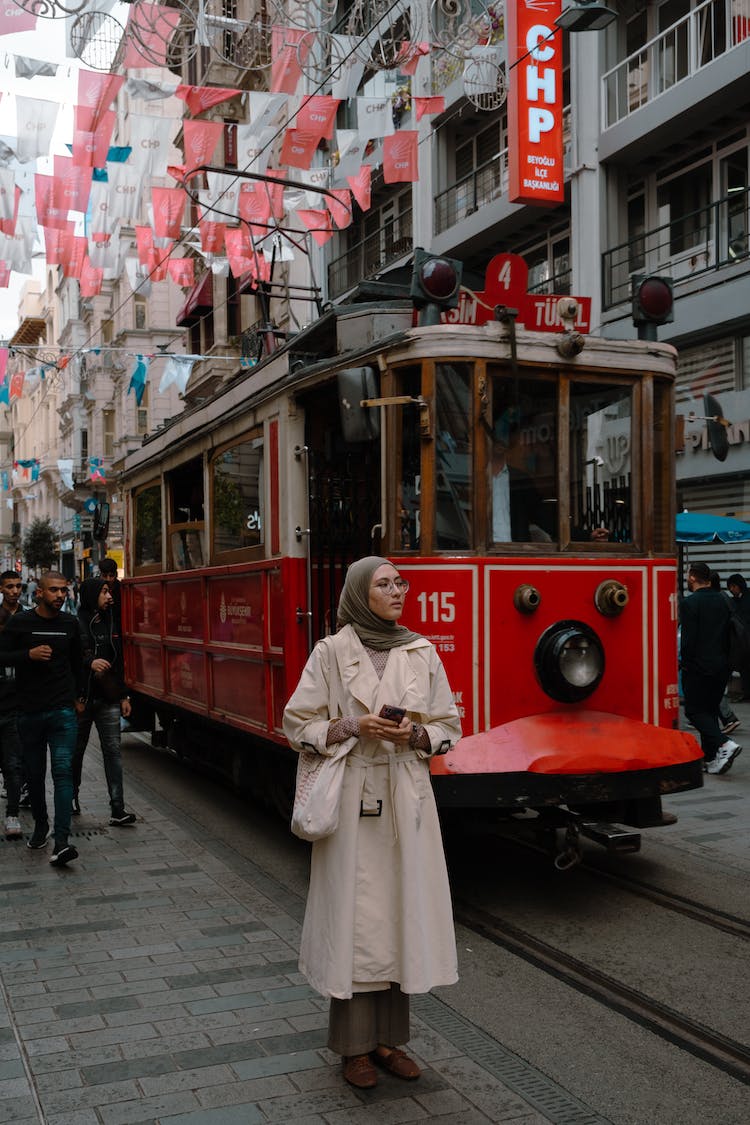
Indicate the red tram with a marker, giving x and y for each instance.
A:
(526, 494)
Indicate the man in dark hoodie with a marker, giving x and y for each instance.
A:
(106, 695)
(44, 646)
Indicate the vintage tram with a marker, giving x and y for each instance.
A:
(524, 487)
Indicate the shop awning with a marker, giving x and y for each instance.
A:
(200, 300)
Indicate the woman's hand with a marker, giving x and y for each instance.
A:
(375, 726)
(100, 666)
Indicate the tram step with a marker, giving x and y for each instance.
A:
(613, 837)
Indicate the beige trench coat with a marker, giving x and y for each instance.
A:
(378, 907)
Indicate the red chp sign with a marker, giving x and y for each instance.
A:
(535, 102)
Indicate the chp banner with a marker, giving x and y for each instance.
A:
(535, 103)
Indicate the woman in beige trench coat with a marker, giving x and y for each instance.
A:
(378, 923)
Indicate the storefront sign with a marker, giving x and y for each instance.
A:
(535, 103)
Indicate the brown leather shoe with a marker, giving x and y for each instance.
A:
(359, 1071)
(396, 1062)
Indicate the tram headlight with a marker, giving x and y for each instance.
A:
(569, 661)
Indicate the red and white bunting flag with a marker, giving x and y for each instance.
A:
(8, 222)
(75, 249)
(182, 271)
(72, 187)
(4, 275)
(239, 251)
(276, 192)
(15, 389)
(429, 106)
(212, 236)
(290, 47)
(14, 18)
(96, 92)
(298, 148)
(400, 157)
(411, 53)
(144, 241)
(35, 126)
(201, 139)
(53, 242)
(317, 115)
(340, 207)
(91, 279)
(255, 207)
(319, 225)
(169, 207)
(148, 32)
(360, 185)
(200, 98)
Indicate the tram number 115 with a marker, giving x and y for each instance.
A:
(438, 606)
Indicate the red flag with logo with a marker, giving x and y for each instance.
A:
(290, 47)
(200, 98)
(149, 30)
(298, 148)
(91, 279)
(317, 115)
(319, 225)
(212, 236)
(360, 185)
(201, 139)
(144, 241)
(169, 207)
(182, 271)
(340, 207)
(400, 164)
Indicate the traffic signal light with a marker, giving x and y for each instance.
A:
(653, 304)
(435, 285)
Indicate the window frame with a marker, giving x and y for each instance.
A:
(238, 554)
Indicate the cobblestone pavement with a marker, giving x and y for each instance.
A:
(155, 980)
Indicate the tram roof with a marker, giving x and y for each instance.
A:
(346, 335)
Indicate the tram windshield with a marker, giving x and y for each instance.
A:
(523, 480)
(600, 469)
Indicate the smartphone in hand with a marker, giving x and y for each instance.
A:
(395, 714)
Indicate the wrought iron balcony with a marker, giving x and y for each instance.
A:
(699, 38)
(393, 240)
(693, 244)
(471, 192)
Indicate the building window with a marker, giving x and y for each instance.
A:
(107, 332)
(139, 312)
(148, 526)
(142, 414)
(108, 419)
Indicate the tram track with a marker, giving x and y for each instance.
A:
(690, 1035)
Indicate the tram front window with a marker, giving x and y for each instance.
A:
(600, 462)
(523, 470)
(453, 456)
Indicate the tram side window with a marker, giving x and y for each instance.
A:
(186, 515)
(147, 506)
(237, 483)
(453, 515)
(600, 462)
(523, 482)
(410, 486)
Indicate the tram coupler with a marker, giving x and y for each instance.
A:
(613, 837)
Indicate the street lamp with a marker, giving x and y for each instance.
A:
(585, 15)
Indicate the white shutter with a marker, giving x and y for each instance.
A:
(707, 367)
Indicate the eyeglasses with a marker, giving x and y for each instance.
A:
(400, 586)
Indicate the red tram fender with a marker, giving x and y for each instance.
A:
(576, 742)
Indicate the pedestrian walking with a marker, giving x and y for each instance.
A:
(704, 660)
(10, 743)
(740, 602)
(728, 720)
(44, 645)
(106, 697)
(378, 923)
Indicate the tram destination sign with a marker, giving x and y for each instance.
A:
(506, 283)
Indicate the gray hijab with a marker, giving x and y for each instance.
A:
(354, 609)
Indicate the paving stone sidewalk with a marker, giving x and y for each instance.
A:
(156, 981)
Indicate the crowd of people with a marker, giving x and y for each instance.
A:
(61, 672)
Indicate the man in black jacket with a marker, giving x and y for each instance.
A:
(107, 697)
(704, 659)
(10, 743)
(44, 645)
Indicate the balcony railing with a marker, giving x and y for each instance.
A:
(391, 241)
(705, 34)
(467, 195)
(693, 244)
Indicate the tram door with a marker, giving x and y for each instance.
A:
(344, 492)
